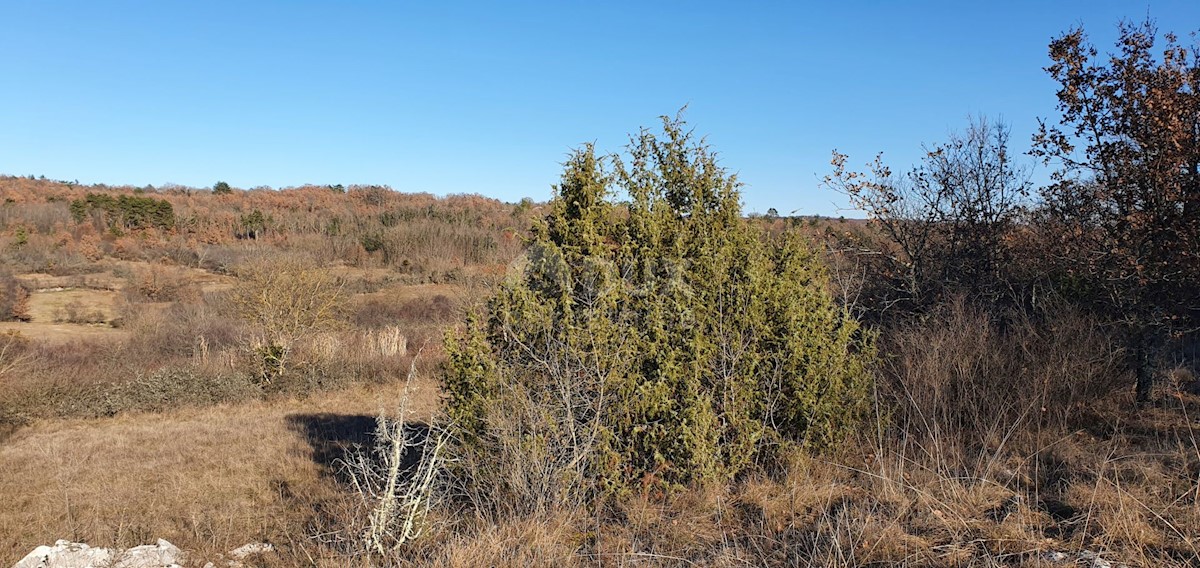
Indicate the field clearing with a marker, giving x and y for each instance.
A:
(71, 304)
(93, 280)
(408, 292)
(63, 332)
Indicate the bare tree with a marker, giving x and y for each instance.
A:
(945, 219)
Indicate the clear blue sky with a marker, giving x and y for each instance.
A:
(489, 97)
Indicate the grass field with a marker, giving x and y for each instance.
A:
(207, 479)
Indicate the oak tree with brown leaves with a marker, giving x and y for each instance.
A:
(1125, 197)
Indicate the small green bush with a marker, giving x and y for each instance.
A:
(657, 345)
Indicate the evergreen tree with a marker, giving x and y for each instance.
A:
(665, 342)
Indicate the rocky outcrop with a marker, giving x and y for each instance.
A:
(65, 554)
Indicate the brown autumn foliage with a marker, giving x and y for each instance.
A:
(422, 236)
(172, 309)
(1124, 204)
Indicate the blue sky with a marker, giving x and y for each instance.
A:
(489, 97)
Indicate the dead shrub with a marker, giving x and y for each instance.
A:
(334, 359)
(375, 313)
(14, 352)
(14, 298)
(77, 312)
(158, 391)
(285, 300)
(172, 388)
(397, 481)
(179, 330)
(161, 284)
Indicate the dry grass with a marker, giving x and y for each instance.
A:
(104, 280)
(207, 479)
(1126, 493)
(72, 306)
(1001, 444)
(210, 477)
(59, 333)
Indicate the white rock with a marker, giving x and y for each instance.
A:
(65, 554)
(1054, 556)
(1082, 558)
(163, 554)
(245, 550)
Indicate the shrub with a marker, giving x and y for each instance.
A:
(286, 299)
(181, 329)
(372, 242)
(161, 284)
(943, 227)
(173, 388)
(377, 313)
(14, 298)
(76, 312)
(663, 345)
(13, 351)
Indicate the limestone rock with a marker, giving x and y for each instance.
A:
(245, 550)
(1085, 558)
(240, 553)
(66, 554)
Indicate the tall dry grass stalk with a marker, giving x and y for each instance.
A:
(389, 341)
(14, 353)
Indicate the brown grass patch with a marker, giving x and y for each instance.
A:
(58, 333)
(78, 305)
(206, 479)
(93, 280)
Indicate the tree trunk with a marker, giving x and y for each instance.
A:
(1145, 361)
(1145, 374)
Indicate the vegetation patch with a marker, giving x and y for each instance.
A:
(656, 346)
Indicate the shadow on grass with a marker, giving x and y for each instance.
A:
(335, 438)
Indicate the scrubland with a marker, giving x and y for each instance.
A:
(983, 373)
(132, 411)
(130, 407)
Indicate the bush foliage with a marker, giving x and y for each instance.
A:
(665, 342)
(125, 211)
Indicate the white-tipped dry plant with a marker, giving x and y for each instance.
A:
(396, 480)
